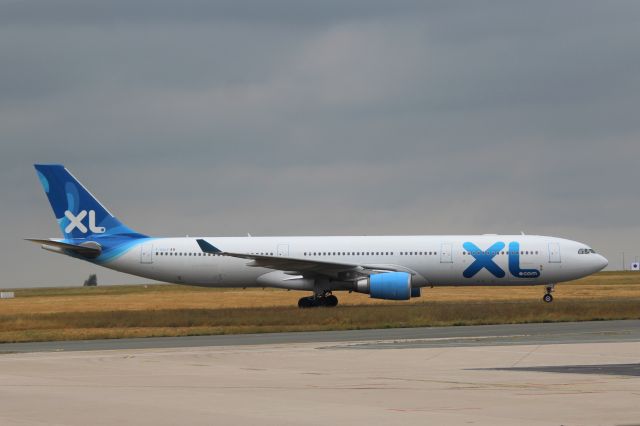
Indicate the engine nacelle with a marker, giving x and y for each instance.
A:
(388, 285)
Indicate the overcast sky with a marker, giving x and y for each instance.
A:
(293, 117)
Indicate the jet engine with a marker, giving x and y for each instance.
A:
(388, 285)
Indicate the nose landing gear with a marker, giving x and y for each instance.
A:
(327, 299)
(548, 298)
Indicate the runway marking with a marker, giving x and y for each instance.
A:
(421, 340)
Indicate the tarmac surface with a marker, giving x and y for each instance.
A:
(501, 334)
(539, 374)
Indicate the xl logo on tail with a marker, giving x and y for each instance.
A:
(75, 221)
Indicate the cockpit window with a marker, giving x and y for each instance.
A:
(586, 251)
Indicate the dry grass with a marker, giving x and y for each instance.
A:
(607, 285)
(167, 310)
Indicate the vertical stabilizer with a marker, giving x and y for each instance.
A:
(78, 212)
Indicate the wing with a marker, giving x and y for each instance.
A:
(305, 267)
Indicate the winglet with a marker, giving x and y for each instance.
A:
(207, 248)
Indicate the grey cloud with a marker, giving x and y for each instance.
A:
(277, 12)
(340, 117)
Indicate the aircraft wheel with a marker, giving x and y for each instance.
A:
(307, 302)
(547, 298)
(331, 301)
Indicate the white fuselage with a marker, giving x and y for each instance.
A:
(448, 260)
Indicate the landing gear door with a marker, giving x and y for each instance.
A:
(554, 253)
(446, 253)
(146, 253)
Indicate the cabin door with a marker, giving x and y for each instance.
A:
(146, 253)
(446, 253)
(554, 253)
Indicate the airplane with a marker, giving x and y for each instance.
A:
(384, 267)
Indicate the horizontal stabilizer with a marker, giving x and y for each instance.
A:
(89, 249)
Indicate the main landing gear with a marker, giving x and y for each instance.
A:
(548, 298)
(327, 299)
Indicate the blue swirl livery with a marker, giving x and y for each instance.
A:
(90, 230)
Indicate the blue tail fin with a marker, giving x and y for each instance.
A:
(79, 214)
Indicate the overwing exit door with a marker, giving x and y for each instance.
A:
(283, 250)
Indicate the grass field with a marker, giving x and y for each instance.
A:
(171, 310)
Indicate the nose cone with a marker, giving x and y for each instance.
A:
(599, 262)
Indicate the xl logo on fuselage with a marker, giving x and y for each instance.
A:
(484, 260)
(75, 221)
